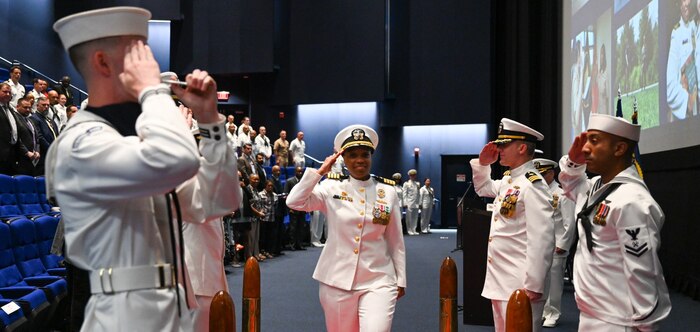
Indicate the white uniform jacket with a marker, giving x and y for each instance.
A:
(411, 194)
(621, 281)
(263, 145)
(359, 253)
(399, 192)
(427, 196)
(521, 245)
(564, 220)
(111, 192)
(681, 62)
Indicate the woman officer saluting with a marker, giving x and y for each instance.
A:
(362, 269)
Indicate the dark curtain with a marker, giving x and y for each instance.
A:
(526, 68)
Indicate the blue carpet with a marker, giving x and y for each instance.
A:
(290, 296)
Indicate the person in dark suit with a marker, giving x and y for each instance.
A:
(246, 163)
(64, 89)
(8, 132)
(280, 211)
(46, 126)
(29, 148)
(296, 218)
(259, 160)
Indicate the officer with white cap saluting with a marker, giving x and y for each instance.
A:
(111, 167)
(619, 226)
(521, 239)
(362, 268)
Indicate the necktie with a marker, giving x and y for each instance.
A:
(583, 216)
(31, 128)
(13, 124)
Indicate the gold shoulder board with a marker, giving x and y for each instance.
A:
(533, 176)
(385, 180)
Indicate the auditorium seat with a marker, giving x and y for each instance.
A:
(40, 183)
(8, 199)
(14, 321)
(27, 195)
(45, 230)
(26, 257)
(32, 300)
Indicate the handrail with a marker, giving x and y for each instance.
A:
(313, 159)
(15, 63)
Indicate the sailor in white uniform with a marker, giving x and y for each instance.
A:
(521, 239)
(115, 166)
(411, 200)
(564, 228)
(362, 269)
(617, 273)
(681, 72)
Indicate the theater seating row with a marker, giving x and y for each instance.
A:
(23, 195)
(32, 280)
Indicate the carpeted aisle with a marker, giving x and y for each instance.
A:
(290, 295)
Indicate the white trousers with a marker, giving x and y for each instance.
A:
(200, 315)
(499, 315)
(552, 308)
(370, 310)
(411, 220)
(425, 216)
(318, 226)
(590, 323)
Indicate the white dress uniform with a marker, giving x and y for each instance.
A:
(364, 260)
(427, 194)
(110, 191)
(411, 200)
(298, 148)
(263, 145)
(564, 227)
(681, 67)
(520, 245)
(625, 254)
(17, 92)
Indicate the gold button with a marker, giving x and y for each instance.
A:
(359, 226)
(490, 238)
(357, 239)
(362, 190)
(362, 201)
(495, 219)
(362, 213)
(356, 251)
(490, 260)
(510, 180)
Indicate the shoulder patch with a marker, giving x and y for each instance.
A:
(87, 133)
(533, 176)
(385, 180)
(678, 25)
(336, 176)
(506, 173)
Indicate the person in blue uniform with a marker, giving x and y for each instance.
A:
(362, 268)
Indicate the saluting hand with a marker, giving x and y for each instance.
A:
(328, 163)
(489, 154)
(199, 96)
(140, 69)
(576, 150)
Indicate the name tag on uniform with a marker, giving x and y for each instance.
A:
(489, 207)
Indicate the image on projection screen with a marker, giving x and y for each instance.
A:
(644, 50)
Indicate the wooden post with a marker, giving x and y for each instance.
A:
(448, 295)
(519, 312)
(222, 315)
(251, 296)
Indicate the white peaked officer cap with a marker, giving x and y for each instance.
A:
(544, 165)
(510, 130)
(614, 125)
(102, 23)
(396, 176)
(356, 135)
(412, 172)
